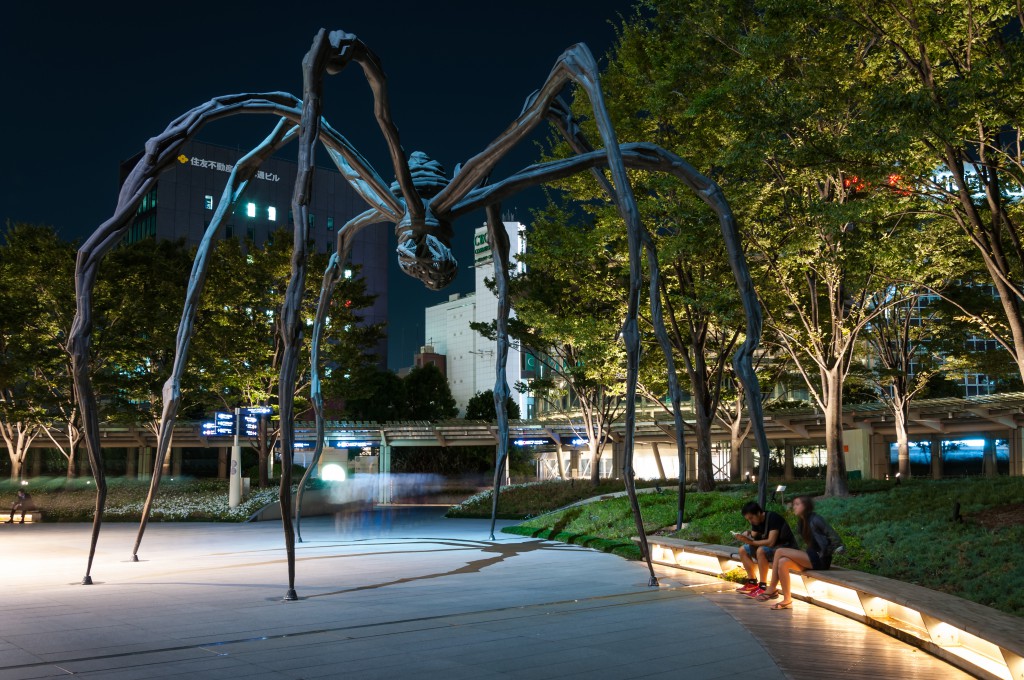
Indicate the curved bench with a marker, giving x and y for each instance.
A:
(978, 639)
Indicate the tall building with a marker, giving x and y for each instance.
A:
(185, 197)
(468, 356)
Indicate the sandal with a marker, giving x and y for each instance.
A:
(782, 605)
(766, 596)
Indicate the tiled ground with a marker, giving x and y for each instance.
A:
(386, 594)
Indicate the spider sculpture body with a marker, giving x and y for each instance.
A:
(422, 203)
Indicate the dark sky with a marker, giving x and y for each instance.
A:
(83, 88)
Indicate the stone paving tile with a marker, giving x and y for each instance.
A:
(420, 597)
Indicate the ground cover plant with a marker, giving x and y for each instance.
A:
(907, 532)
(197, 500)
(519, 501)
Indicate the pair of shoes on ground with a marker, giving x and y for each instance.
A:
(766, 596)
(11, 521)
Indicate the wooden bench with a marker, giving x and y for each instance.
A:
(31, 516)
(978, 639)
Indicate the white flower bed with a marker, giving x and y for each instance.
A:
(203, 505)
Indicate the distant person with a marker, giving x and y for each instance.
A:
(821, 541)
(20, 503)
(768, 533)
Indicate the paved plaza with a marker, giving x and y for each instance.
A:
(392, 593)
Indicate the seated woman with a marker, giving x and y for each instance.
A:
(821, 541)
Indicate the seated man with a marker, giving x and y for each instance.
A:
(768, 532)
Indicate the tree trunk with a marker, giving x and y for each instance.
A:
(72, 457)
(561, 462)
(737, 435)
(902, 440)
(835, 476)
(595, 460)
(19, 437)
(705, 467)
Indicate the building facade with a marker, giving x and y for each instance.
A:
(186, 196)
(468, 356)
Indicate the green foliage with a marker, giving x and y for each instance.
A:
(481, 407)
(520, 501)
(428, 396)
(905, 532)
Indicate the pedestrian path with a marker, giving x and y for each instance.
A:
(393, 593)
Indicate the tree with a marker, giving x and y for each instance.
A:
(237, 347)
(138, 305)
(947, 81)
(481, 407)
(569, 318)
(382, 398)
(31, 274)
(428, 396)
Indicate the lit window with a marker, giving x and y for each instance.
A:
(312, 219)
(208, 202)
(272, 214)
(330, 224)
(250, 209)
(348, 273)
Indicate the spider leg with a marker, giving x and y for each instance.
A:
(238, 180)
(653, 158)
(577, 64)
(161, 152)
(332, 274)
(561, 116)
(497, 237)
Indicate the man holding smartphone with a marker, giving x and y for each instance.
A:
(768, 532)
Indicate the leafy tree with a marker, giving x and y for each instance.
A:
(237, 345)
(138, 305)
(481, 407)
(946, 84)
(27, 355)
(382, 398)
(428, 396)
(569, 318)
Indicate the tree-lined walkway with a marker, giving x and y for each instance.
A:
(386, 594)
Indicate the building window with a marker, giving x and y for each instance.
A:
(348, 273)
(272, 214)
(229, 232)
(251, 233)
(330, 224)
(250, 210)
(312, 219)
(208, 202)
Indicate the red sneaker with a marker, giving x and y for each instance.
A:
(747, 587)
(756, 592)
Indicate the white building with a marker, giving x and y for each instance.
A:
(469, 356)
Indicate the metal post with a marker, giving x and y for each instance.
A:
(384, 475)
(235, 477)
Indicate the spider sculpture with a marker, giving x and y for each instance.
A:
(422, 204)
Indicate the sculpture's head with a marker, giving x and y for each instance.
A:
(424, 246)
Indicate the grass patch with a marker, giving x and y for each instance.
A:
(179, 500)
(522, 501)
(906, 532)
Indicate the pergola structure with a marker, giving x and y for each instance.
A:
(869, 428)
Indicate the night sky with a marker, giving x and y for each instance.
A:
(84, 88)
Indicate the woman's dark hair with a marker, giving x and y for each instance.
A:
(804, 521)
